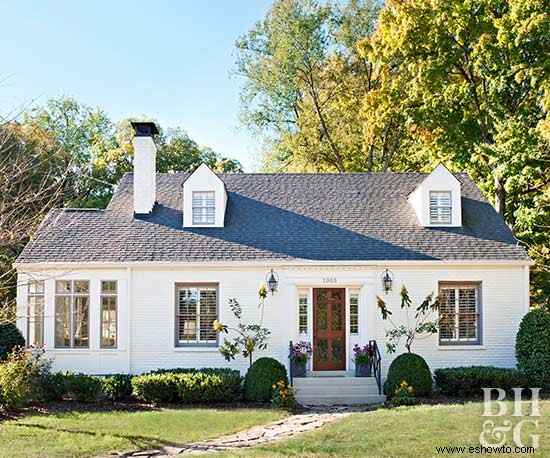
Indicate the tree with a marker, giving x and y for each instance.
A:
(176, 152)
(101, 151)
(81, 132)
(34, 173)
(470, 82)
(249, 337)
(304, 83)
(410, 330)
(68, 154)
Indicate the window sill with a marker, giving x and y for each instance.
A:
(196, 349)
(84, 350)
(460, 347)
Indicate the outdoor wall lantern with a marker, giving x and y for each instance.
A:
(387, 280)
(272, 281)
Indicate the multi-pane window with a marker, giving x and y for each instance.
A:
(195, 314)
(459, 314)
(72, 310)
(108, 313)
(440, 207)
(354, 313)
(302, 312)
(204, 207)
(35, 312)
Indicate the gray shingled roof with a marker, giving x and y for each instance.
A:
(278, 217)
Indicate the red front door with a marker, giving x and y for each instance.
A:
(329, 329)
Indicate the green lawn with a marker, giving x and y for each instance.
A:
(404, 432)
(85, 434)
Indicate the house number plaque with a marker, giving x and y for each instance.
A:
(329, 280)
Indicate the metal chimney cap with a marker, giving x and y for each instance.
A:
(144, 128)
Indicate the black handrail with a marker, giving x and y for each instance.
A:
(290, 375)
(376, 364)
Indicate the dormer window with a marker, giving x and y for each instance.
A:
(440, 207)
(204, 207)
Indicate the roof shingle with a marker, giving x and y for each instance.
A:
(339, 217)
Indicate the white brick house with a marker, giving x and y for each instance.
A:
(136, 286)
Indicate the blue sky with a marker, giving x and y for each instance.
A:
(170, 60)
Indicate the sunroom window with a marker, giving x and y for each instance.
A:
(109, 313)
(35, 303)
(72, 313)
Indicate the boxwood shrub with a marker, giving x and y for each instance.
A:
(411, 368)
(260, 378)
(467, 381)
(10, 337)
(533, 348)
(82, 387)
(117, 387)
(188, 386)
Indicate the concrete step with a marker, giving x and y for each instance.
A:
(342, 399)
(330, 374)
(336, 390)
(334, 381)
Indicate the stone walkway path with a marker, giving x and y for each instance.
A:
(256, 435)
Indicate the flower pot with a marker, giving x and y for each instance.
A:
(298, 369)
(363, 370)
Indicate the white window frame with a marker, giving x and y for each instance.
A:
(35, 290)
(439, 209)
(197, 342)
(354, 294)
(204, 214)
(303, 312)
(72, 295)
(112, 295)
(457, 340)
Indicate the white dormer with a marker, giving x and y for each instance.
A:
(204, 199)
(437, 200)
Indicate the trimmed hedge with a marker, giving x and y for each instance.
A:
(117, 387)
(260, 378)
(10, 337)
(82, 387)
(467, 381)
(411, 368)
(533, 348)
(188, 386)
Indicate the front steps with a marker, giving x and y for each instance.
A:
(336, 388)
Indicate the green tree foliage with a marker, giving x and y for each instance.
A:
(33, 172)
(68, 154)
(463, 83)
(304, 83)
(470, 83)
(102, 151)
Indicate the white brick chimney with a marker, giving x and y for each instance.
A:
(145, 157)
